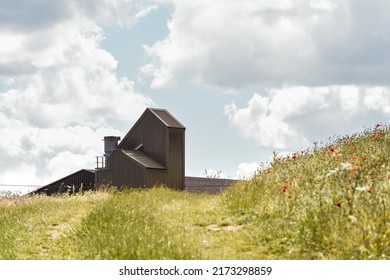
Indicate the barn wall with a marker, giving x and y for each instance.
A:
(125, 172)
(176, 159)
(154, 136)
(156, 177)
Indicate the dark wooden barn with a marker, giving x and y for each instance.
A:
(151, 153)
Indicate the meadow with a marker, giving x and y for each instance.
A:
(331, 201)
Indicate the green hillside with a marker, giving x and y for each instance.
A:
(331, 201)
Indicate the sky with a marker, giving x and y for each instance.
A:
(246, 78)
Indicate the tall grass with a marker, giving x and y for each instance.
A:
(39, 227)
(331, 202)
(138, 224)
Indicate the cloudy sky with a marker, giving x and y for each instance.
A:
(245, 77)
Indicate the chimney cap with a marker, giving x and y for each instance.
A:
(111, 138)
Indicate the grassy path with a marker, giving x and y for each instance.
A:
(153, 224)
(39, 227)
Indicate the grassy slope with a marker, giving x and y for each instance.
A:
(327, 203)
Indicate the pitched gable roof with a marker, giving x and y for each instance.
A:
(143, 160)
(166, 118)
(162, 115)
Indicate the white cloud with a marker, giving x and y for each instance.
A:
(378, 99)
(61, 92)
(288, 119)
(231, 44)
(247, 170)
(326, 5)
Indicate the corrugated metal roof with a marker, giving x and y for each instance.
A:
(167, 118)
(143, 159)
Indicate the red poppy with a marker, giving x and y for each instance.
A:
(378, 125)
(370, 190)
(284, 188)
(294, 156)
(332, 149)
(338, 204)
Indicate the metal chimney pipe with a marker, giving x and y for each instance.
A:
(110, 145)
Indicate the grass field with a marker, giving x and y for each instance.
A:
(331, 201)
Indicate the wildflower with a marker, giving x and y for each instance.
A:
(332, 172)
(365, 158)
(363, 189)
(356, 158)
(352, 218)
(376, 136)
(284, 187)
(370, 190)
(334, 151)
(346, 166)
(338, 204)
(290, 196)
(378, 125)
(294, 156)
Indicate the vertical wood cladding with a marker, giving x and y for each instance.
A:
(176, 159)
(156, 177)
(123, 172)
(150, 132)
(127, 172)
